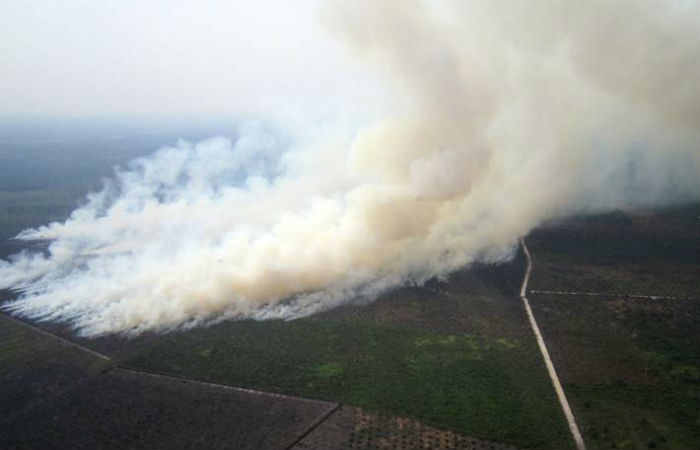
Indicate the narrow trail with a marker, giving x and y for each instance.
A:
(170, 377)
(607, 294)
(566, 408)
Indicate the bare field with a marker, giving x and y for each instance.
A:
(125, 410)
(34, 367)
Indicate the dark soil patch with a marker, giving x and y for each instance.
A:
(124, 410)
(34, 367)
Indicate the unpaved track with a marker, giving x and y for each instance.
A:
(566, 408)
(606, 294)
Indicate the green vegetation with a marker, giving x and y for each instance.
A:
(630, 366)
(636, 416)
(662, 412)
(490, 388)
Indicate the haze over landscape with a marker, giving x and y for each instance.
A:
(357, 225)
(468, 124)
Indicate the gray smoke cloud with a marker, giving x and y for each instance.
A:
(510, 114)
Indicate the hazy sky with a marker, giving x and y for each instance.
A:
(87, 57)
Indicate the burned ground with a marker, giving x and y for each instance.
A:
(34, 367)
(122, 409)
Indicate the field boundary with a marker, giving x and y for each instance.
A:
(605, 294)
(114, 366)
(171, 377)
(57, 338)
(566, 408)
(314, 426)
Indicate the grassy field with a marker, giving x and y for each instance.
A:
(457, 355)
(462, 382)
(630, 369)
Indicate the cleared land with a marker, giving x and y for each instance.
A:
(34, 367)
(125, 410)
(354, 429)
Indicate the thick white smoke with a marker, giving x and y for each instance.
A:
(511, 113)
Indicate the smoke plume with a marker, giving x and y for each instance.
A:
(508, 114)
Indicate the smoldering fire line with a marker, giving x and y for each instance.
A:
(513, 113)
